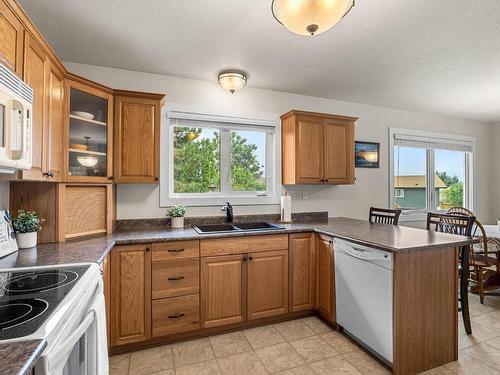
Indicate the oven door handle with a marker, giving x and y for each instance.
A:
(70, 342)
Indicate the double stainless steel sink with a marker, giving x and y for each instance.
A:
(236, 227)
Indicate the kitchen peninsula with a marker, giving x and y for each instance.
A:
(425, 320)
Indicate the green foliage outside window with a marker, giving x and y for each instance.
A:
(197, 162)
(454, 192)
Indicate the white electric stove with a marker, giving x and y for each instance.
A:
(63, 305)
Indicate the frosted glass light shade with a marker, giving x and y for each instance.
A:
(87, 161)
(232, 81)
(310, 17)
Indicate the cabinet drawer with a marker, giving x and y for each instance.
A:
(175, 278)
(175, 315)
(176, 250)
(239, 245)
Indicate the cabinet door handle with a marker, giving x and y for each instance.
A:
(147, 248)
(176, 278)
(175, 250)
(157, 178)
(326, 180)
(250, 258)
(111, 178)
(245, 258)
(176, 316)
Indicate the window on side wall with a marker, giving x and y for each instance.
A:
(430, 172)
(210, 162)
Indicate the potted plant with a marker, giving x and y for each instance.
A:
(26, 225)
(177, 215)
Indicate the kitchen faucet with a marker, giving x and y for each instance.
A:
(229, 212)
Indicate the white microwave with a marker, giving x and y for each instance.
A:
(16, 112)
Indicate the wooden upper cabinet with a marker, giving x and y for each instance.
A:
(302, 271)
(137, 137)
(338, 149)
(267, 284)
(89, 132)
(11, 40)
(325, 289)
(317, 148)
(222, 290)
(131, 294)
(53, 129)
(35, 69)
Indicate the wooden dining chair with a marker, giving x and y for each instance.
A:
(462, 225)
(481, 258)
(384, 215)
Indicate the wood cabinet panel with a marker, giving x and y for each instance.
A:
(11, 41)
(86, 210)
(425, 309)
(53, 134)
(267, 284)
(106, 278)
(240, 245)
(175, 278)
(35, 60)
(317, 148)
(309, 150)
(131, 294)
(175, 250)
(302, 275)
(176, 315)
(338, 140)
(325, 298)
(137, 138)
(222, 290)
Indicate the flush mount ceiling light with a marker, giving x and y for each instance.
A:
(232, 81)
(310, 17)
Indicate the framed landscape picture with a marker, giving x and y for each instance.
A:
(367, 154)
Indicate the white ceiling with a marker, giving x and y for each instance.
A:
(440, 56)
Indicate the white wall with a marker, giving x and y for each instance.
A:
(371, 188)
(495, 172)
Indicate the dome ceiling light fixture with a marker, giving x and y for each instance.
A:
(310, 17)
(232, 81)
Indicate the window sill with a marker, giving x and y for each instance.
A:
(219, 201)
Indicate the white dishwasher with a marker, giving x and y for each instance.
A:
(363, 283)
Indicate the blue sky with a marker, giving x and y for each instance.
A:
(412, 161)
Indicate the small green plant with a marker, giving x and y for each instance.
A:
(177, 211)
(27, 222)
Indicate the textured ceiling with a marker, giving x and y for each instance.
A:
(426, 55)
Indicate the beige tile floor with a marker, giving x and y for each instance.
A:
(306, 346)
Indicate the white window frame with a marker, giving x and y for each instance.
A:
(167, 195)
(399, 193)
(469, 183)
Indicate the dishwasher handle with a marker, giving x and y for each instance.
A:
(361, 252)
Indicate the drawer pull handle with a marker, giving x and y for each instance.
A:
(176, 316)
(176, 278)
(175, 250)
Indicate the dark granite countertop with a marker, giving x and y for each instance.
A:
(19, 357)
(389, 238)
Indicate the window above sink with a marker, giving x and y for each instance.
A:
(211, 158)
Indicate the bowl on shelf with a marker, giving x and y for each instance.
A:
(86, 115)
(79, 146)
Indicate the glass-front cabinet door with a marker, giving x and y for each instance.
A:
(89, 134)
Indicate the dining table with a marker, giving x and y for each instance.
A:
(492, 278)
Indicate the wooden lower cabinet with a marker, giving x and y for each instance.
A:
(302, 271)
(176, 315)
(325, 290)
(131, 294)
(106, 278)
(175, 278)
(267, 284)
(222, 290)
